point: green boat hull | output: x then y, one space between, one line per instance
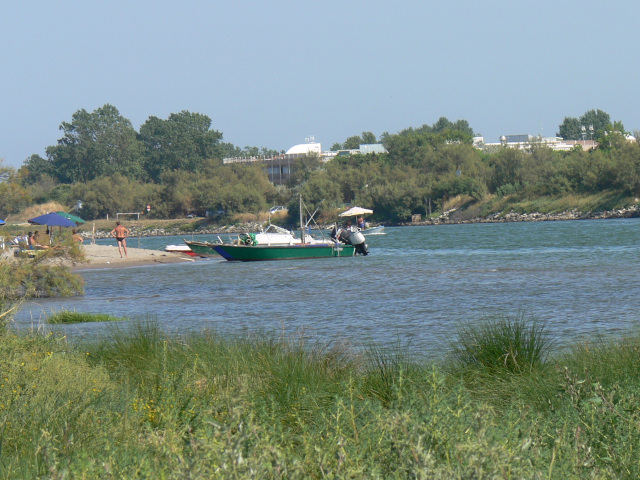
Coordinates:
254 253
202 249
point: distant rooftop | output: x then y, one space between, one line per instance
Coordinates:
305 149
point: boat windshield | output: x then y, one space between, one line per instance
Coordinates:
275 229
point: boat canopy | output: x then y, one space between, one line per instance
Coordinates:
356 211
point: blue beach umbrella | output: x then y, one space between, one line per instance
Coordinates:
2 222
52 220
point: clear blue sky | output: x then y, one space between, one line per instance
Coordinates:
270 74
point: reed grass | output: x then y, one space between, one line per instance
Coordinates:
69 316
388 371
144 404
501 344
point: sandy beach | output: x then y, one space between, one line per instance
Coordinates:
107 256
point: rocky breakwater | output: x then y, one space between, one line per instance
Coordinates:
456 217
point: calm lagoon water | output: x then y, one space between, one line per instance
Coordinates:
415 287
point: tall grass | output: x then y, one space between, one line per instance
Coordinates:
503 359
68 316
388 372
601 201
502 344
145 404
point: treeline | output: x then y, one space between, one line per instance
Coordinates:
175 165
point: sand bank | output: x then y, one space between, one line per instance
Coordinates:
107 256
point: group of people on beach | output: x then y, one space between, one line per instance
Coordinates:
33 240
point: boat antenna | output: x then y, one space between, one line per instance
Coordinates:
302 238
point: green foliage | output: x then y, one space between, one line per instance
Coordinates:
143 404
387 372
68 316
460 185
112 194
47 189
33 279
355 141
594 122
94 145
175 165
13 197
34 168
8 308
500 345
321 187
508 189
45 275
295 380
182 142
302 169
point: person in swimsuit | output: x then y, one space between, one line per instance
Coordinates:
121 234
76 236
34 242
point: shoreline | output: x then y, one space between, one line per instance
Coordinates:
451 217
107 256
458 217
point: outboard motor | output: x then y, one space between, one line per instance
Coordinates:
356 239
344 236
353 236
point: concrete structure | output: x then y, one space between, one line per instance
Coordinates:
526 142
306 149
278 167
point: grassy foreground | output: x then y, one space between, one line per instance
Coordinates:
141 404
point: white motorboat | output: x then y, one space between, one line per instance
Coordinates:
363 226
180 249
373 230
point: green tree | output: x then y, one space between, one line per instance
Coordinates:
229 150
570 129
43 188
320 187
302 168
178 195
182 142
368 138
409 148
507 168
597 119
591 124
5 172
255 152
352 142
13 197
34 168
95 144
237 188
110 195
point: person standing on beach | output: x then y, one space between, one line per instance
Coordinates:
121 234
